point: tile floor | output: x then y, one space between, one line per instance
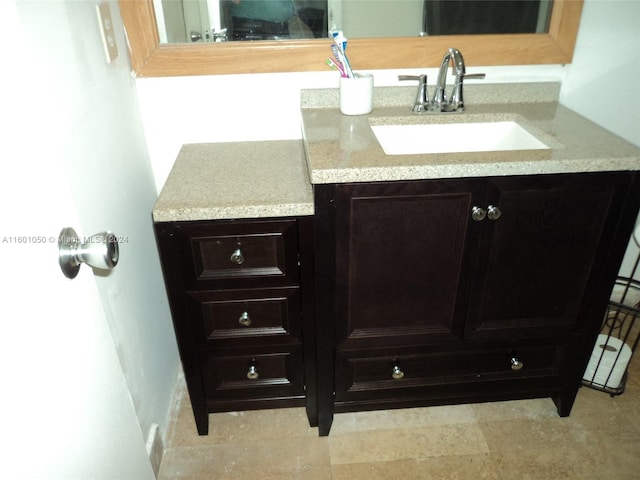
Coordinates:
505 441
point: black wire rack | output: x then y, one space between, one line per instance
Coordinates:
619 337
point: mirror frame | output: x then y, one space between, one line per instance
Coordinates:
150 58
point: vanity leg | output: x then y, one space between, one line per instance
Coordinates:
325 419
202 422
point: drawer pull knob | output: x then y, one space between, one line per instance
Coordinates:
478 213
237 257
516 364
493 213
252 374
397 374
245 319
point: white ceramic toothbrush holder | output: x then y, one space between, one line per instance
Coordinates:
356 94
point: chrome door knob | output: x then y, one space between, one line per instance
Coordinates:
516 364
478 214
397 373
493 212
252 374
237 257
244 319
100 251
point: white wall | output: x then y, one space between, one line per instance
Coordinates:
81 117
603 82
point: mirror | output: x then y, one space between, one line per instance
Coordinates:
186 21
151 58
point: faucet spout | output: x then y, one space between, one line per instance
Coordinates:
454 57
440 103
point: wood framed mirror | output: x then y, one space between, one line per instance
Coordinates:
150 58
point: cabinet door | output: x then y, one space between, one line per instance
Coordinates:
543 256
400 261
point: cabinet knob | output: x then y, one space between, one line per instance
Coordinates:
493 212
252 374
516 364
397 373
237 257
478 213
244 319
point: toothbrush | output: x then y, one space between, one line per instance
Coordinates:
341 44
335 66
342 60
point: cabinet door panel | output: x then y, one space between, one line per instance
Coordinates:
544 252
399 261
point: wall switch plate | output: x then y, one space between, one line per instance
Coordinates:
106 27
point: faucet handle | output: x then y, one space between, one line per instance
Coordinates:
474 76
456 102
421 104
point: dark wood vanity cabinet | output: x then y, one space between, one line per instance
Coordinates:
241 299
464 290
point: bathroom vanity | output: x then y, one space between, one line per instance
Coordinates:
391 281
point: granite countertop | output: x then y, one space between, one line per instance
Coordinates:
236 180
343 148
272 179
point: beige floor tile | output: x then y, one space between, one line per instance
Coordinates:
525 434
392 470
464 467
402 418
406 443
208 463
534 408
280 458
596 415
573 462
248 425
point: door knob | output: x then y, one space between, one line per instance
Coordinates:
516 364
252 373
98 251
237 257
493 212
478 213
397 373
244 319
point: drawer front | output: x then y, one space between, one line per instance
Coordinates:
237 254
254 377
360 375
238 318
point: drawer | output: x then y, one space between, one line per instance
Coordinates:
238 318
360 374
254 377
228 255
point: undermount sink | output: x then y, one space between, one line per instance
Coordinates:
455 137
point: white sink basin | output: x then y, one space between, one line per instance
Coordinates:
455 137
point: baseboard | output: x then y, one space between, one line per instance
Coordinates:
155 448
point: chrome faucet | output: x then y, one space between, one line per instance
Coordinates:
440 103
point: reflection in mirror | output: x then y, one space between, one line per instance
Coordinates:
185 21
